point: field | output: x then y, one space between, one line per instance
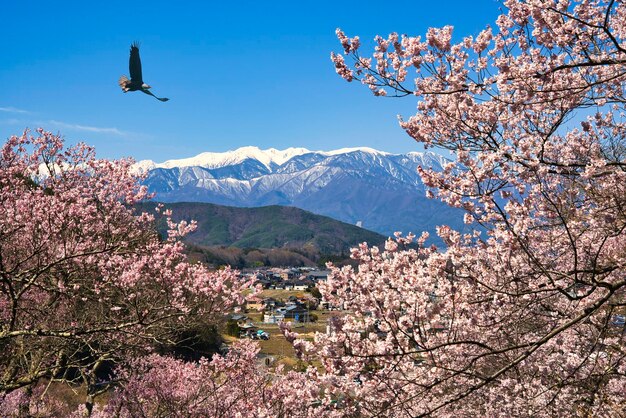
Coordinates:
281 293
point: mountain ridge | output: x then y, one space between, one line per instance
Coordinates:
381 191
265 156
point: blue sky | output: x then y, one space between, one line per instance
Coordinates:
237 73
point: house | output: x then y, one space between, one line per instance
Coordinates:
289 274
318 275
271 303
273 318
247 330
239 318
274 277
324 304
298 284
296 312
301 284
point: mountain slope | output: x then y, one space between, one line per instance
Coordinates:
267 227
382 191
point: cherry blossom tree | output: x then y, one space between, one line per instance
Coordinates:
523 316
225 386
86 282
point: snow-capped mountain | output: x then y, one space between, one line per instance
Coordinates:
270 157
380 190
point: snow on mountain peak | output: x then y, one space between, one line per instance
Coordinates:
266 157
143 166
221 159
349 150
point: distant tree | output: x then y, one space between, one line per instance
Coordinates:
232 328
310 302
85 282
315 292
520 317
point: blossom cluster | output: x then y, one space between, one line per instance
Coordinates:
85 279
519 314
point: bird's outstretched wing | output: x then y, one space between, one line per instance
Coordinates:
163 99
134 65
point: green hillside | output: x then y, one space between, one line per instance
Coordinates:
268 227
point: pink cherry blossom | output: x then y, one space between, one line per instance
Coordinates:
84 278
519 317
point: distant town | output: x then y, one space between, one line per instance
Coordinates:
286 295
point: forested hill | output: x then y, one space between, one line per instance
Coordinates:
269 227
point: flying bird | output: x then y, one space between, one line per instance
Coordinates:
136 80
